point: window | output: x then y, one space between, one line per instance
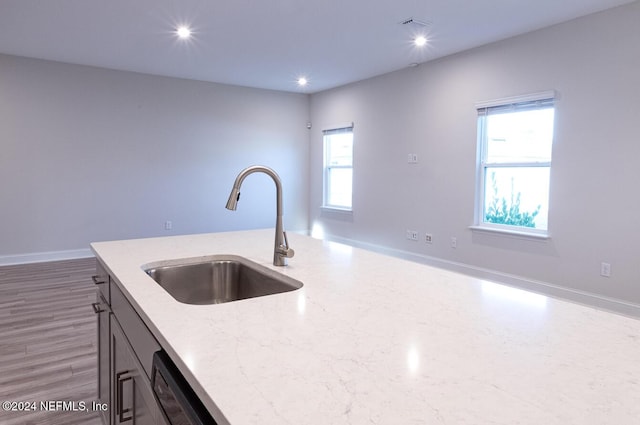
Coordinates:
515 138
338 167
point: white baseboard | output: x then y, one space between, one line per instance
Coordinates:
40 257
574 295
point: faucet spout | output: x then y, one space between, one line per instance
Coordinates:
281 250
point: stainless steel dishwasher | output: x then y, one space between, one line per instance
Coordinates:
177 400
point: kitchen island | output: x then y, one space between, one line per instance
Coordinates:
371 339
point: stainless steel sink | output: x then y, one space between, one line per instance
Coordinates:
219 279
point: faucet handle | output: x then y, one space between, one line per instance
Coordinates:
284 249
288 252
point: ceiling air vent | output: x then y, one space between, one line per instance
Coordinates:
413 21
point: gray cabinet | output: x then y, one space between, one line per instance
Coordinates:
102 309
125 354
103 312
132 397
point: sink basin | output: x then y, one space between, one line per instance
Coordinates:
219 279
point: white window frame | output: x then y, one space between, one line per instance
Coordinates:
540 99
342 128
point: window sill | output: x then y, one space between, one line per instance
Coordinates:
511 233
336 210
340 214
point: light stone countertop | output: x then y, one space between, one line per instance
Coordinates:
372 339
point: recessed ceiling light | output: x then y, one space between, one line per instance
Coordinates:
302 81
183 32
420 40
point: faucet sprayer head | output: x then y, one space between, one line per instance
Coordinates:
234 196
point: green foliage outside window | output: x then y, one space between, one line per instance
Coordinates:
501 211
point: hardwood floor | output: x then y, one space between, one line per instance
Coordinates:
48 341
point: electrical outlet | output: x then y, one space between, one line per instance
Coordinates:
412 235
168 225
454 242
428 238
605 269
412 158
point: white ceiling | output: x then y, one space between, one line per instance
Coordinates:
268 43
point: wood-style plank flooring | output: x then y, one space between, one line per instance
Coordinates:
48 341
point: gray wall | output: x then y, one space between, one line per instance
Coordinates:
593 63
90 154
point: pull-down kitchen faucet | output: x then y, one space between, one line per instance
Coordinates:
281 250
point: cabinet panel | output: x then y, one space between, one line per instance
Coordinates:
131 395
138 335
104 377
